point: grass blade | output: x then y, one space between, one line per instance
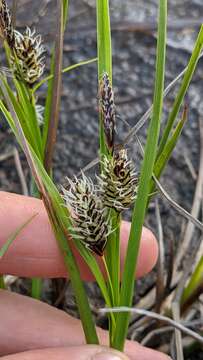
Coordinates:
170 145
143 190
183 89
65 13
58 217
165 155
56 90
65 70
11 238
195 284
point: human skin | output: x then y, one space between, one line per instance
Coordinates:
31 329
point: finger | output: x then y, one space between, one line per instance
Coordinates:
85 352
47 327
35 252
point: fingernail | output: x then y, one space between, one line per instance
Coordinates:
109 356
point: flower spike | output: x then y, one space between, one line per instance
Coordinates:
107 107
28 59
88 214
6 26
119 181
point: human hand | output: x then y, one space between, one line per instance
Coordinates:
31 329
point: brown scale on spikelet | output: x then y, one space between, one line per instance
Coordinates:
119 181
6 27
28 60
107 107
88 214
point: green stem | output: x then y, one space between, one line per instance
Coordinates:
78 287
36 288
113 255
143 190
2 283
56 91
104 53
195 283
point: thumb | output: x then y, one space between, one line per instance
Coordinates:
84 352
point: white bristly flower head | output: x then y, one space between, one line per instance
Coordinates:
119 181
88 214
29 53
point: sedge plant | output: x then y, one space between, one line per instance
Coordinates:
87 214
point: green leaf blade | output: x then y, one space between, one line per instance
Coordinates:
143 190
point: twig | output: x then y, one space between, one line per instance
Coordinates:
190 166
165 329
155 332
170 263
20 171
156 316
142 26
163 192
161 261
6 155
178 338
176 206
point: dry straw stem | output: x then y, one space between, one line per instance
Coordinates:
160 288
156 316
178 336
176 206
20 172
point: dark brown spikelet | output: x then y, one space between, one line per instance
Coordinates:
6 27
29 56
88 214
107 107
119 181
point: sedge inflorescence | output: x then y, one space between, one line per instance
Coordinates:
116 187
27 60
118 181
88 214
6 27
107 107
89 204
29 52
